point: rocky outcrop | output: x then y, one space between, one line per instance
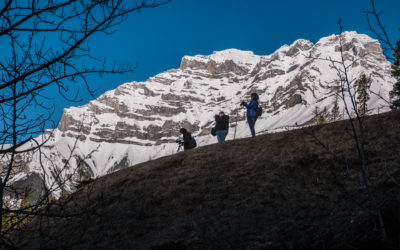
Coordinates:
294 100
180 98
298 46
293 67
290 96
69 123
213 67
32 183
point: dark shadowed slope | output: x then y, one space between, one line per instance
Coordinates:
279 191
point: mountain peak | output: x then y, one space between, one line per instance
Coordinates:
348 36
232 53
302 42
239 57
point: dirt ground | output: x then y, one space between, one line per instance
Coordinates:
298 189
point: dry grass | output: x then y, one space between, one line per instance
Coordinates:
279 191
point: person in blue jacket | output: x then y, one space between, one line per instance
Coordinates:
252 107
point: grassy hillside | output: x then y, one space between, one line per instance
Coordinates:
275 191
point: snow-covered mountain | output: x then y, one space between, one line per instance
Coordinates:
139 121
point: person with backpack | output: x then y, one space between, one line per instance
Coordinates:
252 112
221 126
188 141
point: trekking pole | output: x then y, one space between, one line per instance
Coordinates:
237 117
179 145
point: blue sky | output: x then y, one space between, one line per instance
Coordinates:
157 39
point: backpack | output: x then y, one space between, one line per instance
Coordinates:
259 111
213 132
192 143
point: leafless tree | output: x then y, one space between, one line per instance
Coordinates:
377 28
357 132
45 43
356 120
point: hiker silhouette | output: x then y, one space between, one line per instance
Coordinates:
188 141
252 108
221 126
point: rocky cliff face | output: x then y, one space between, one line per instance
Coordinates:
139 121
